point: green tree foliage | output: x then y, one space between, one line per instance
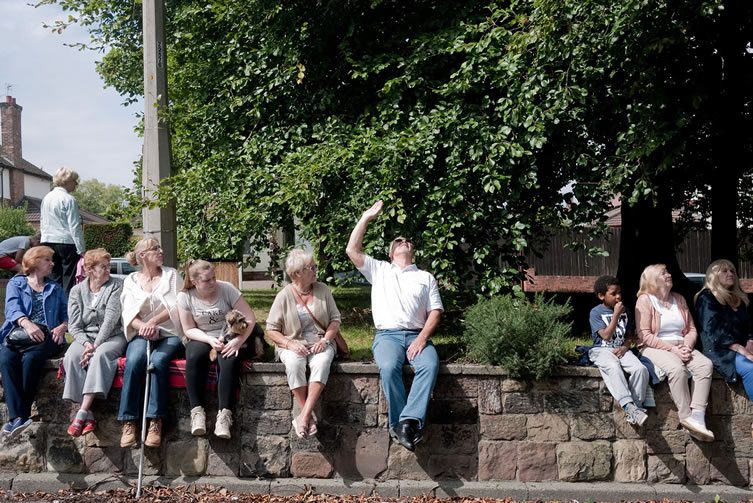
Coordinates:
529 339
115 238
100 198
483 125
13 223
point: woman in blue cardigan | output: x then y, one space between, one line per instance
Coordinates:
38 306
724 324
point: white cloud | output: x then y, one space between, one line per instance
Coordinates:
68 117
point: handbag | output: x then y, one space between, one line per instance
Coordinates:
19 340
341 347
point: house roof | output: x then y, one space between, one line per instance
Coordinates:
34 205
30 169
25 166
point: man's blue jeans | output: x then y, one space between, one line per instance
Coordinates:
134 378
389 350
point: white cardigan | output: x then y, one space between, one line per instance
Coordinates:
145 305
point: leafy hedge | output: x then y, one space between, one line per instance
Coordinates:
13 223
528 338
115 238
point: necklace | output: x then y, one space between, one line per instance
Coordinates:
301 292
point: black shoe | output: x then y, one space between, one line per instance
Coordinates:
417 437
404 433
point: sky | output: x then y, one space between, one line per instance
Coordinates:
69 118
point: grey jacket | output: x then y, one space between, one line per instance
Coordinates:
96 323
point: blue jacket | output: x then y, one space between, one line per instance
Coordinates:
18 298
720 327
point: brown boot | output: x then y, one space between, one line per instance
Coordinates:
128 436
154 434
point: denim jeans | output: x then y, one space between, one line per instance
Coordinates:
744 368
389 350
134 378
21 375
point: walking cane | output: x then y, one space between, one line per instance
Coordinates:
149 369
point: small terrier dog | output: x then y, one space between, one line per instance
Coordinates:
235 325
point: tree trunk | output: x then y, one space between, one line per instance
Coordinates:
730 154
648 238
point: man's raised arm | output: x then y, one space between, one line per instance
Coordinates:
355 243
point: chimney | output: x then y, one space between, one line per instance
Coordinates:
10 123
10 116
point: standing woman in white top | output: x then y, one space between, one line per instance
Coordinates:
202 305
150 314
303 323
60 224
667 337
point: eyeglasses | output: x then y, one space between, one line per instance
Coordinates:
311 267
398 241
154 248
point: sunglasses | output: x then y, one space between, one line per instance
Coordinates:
398 241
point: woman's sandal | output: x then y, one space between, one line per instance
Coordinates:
76 427
312 430
300 430
89 426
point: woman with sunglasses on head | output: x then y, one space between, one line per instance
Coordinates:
203 305
303 323
150 315
724 324
667 337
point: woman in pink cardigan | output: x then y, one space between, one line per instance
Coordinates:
667 337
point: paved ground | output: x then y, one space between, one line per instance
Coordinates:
518 491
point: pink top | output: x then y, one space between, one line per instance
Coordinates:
648 322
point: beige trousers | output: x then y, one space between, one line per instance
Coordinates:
699 367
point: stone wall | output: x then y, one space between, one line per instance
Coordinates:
482 426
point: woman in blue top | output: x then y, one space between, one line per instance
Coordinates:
39 306
724 324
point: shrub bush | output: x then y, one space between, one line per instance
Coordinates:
115 238
528 338
13 223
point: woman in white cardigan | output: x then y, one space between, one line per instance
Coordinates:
98 341
303 323
150 315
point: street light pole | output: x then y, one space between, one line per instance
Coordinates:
159 223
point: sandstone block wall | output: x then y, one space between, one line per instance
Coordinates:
482 426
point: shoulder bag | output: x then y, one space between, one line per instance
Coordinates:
341 347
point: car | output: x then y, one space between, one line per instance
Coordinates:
120 267
696 278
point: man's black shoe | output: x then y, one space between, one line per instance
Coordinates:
417 437
404 434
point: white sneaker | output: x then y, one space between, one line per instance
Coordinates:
223 423
634 415
697 430
198 421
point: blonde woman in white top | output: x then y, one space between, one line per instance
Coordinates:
149 316
667 337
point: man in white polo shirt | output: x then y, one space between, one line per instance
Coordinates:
406 307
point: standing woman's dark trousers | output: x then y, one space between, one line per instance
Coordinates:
64 269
